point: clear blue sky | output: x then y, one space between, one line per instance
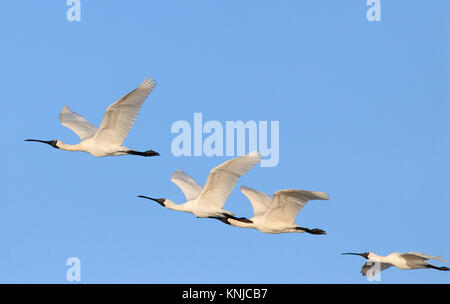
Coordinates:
363 110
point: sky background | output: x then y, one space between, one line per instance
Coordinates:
363 109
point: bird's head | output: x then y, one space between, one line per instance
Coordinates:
160 201
365 255
53 143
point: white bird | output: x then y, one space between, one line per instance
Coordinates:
410 260
117 122
277 215
208 201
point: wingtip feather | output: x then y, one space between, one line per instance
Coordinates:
177 172
322 195
255 154
148 83
65 109
245 188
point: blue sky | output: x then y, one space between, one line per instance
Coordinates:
363 109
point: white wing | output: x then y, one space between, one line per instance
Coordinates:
288 203
370 269
120 116
187 184
223 178
426 256
77 123
259 200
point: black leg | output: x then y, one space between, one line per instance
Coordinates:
240 219
146 153
222 219
311 231
443 268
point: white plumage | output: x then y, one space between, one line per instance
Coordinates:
410 260
277 214
108 138
208 201
77 123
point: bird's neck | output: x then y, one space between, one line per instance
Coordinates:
378 258
179 207
68 147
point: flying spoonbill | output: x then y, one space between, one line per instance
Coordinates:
410 260
277 214
117 122
208 201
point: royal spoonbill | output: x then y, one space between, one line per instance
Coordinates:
277 214
117 122
410 260
208 201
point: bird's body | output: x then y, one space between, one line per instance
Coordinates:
410 260
92 147
108 138
277 214
197 208
264 226
208 201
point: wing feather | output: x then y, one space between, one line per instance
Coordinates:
187 184
426 256
259 200
288 203
370 269
121 115
223 178
77 123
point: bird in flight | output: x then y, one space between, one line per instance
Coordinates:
117 122
410 260
208 201
277 214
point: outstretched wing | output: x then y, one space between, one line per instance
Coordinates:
121 115
370 269
77 123
223 178
424 256
259 200
187 184
288 203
